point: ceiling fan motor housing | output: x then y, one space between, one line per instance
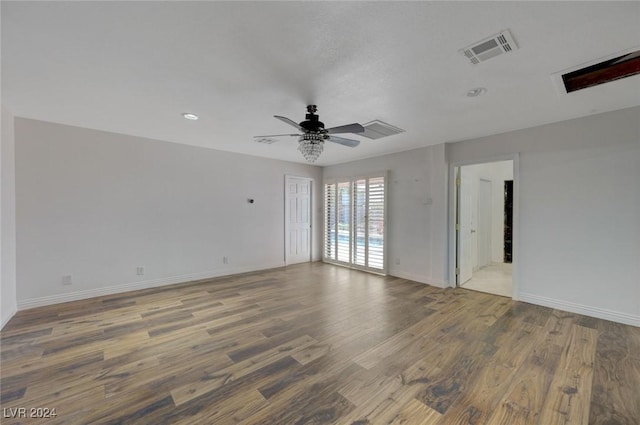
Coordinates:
312 123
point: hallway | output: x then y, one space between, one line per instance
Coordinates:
496 278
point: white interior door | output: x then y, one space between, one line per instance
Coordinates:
484 222
297 220
465 262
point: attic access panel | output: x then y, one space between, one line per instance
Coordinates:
603 72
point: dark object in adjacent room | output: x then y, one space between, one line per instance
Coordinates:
508 220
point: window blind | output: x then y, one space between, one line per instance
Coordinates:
355 222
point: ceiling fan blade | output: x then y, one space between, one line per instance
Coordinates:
279 135
348 128
345 142
289 121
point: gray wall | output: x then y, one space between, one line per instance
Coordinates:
417 210
579 203
8 305
96 205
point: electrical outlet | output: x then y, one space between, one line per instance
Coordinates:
140 270
66 279
225 260
397 261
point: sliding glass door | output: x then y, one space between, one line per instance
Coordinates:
355 222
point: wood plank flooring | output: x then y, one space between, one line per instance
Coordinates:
316 344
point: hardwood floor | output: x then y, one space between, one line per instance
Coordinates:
316 344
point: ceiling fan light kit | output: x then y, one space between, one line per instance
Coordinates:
311 146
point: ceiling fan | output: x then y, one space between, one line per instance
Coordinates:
313 134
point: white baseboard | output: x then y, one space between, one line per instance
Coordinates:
600 313
5 320
439 283
145 284
418 278
409 276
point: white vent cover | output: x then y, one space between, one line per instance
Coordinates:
490 47
377 129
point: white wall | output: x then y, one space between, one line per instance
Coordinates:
497 173
8 220
95 205
579 203
417 210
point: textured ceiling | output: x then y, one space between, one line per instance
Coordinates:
134 67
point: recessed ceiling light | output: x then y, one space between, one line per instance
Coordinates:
478 91
190 116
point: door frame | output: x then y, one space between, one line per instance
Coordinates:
453 193
286 213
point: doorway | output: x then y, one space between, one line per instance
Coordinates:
483 221
297 220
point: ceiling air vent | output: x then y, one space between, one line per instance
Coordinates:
377 129
490 47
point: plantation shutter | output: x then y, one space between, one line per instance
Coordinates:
355 222
375 213
360 222
344 221
330 221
